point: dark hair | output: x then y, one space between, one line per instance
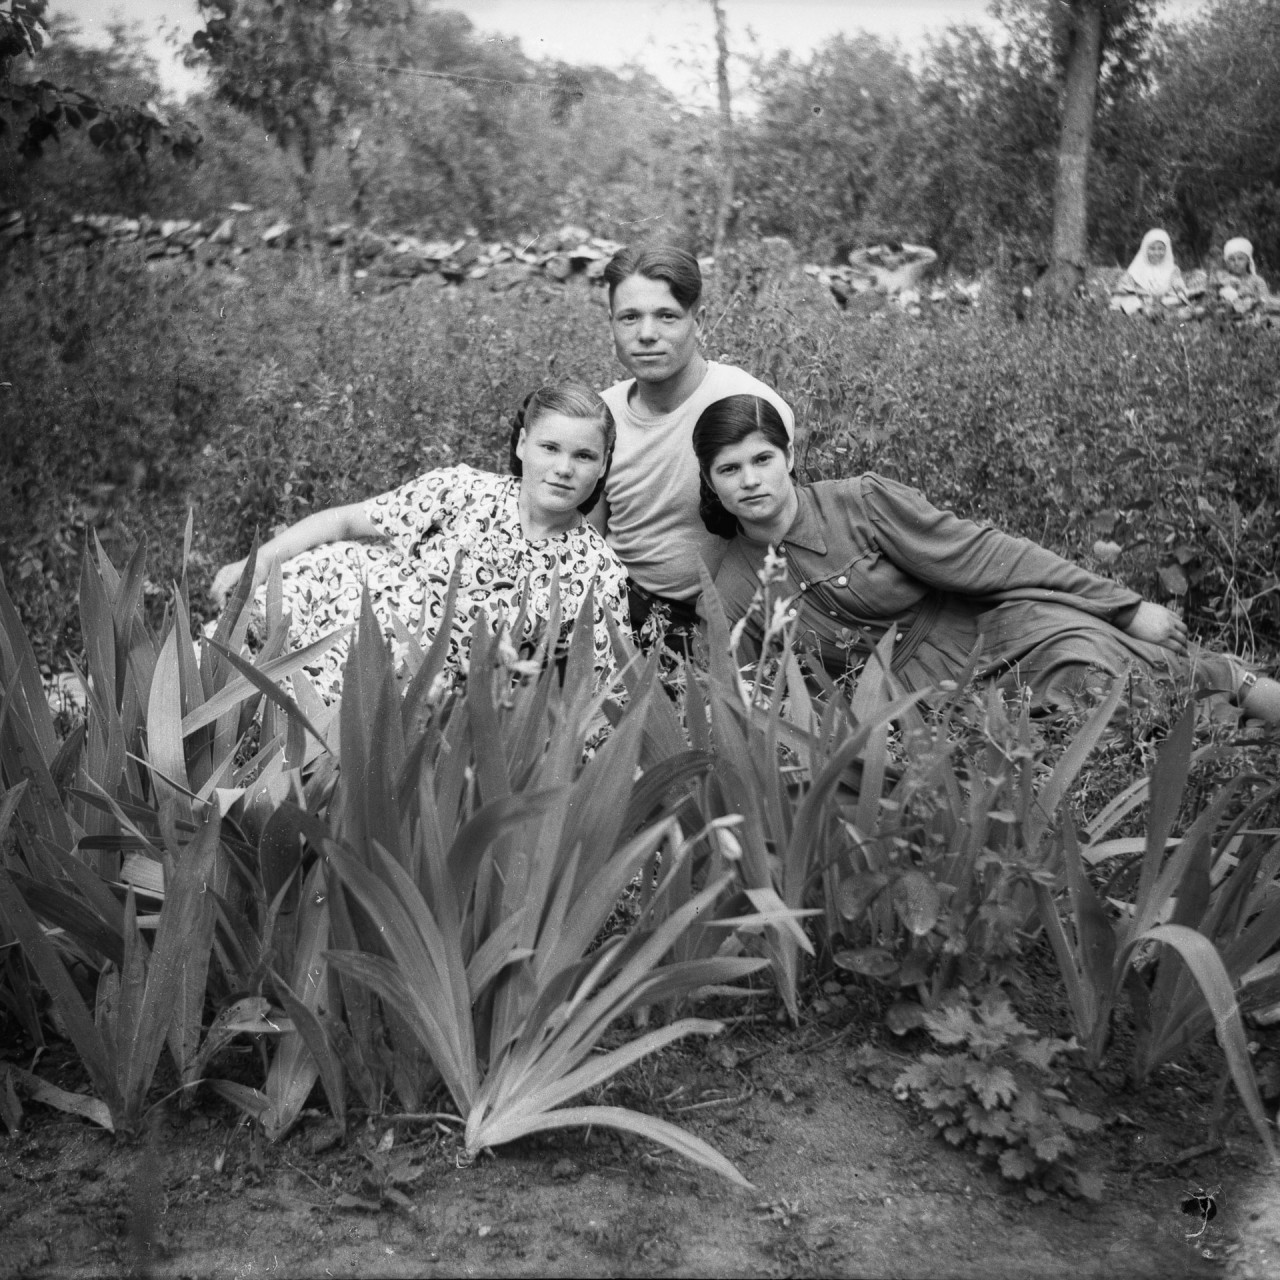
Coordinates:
721 424
677 268
574 400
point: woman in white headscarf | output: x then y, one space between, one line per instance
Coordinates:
1239 281
1153 278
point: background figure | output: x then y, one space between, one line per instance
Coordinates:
1152 280
513 533
1237 282
893 267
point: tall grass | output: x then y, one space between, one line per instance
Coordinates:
258 395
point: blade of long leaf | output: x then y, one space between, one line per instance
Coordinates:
1073 759
1194 846
560 945
164 729
598 1010
304 1054
1202 958
308 1026
430 962
182 923
1168 779
252 1102
661 1131
264 684
1095 936
498 950
61 990
68 912
76 1104
9 804
543 1091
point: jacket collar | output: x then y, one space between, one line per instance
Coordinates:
807 528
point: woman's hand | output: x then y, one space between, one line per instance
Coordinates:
1158 625
224 581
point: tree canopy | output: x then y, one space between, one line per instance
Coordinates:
399 115
35 112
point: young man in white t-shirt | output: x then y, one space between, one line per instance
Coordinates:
650 508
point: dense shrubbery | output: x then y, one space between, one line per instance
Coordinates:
256 397
405 892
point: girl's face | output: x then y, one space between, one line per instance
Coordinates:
752 478
562 459
1238 264
1157 252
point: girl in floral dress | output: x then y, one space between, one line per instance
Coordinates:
513 534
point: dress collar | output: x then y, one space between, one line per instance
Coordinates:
807 528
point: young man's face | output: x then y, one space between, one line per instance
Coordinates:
654 336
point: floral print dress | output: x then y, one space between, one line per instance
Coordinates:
426 524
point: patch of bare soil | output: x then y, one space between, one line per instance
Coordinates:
848 1182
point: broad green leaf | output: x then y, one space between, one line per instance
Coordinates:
917 902
650 1127
164 729
871 962
856 893
76 1104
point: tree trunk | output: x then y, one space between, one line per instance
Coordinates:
1070 193
725 149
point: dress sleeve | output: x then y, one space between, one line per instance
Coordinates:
424 505
968 559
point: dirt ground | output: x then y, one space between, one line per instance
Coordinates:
848 1182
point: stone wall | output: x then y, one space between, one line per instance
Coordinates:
375 261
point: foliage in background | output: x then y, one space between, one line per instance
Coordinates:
401 116
35 112
1205 159
257 398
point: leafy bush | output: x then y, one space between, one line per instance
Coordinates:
1000 1092
1202 917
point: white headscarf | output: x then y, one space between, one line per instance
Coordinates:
1240 245
1154 279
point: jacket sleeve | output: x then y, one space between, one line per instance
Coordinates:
968 559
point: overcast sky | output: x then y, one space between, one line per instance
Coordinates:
664 36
